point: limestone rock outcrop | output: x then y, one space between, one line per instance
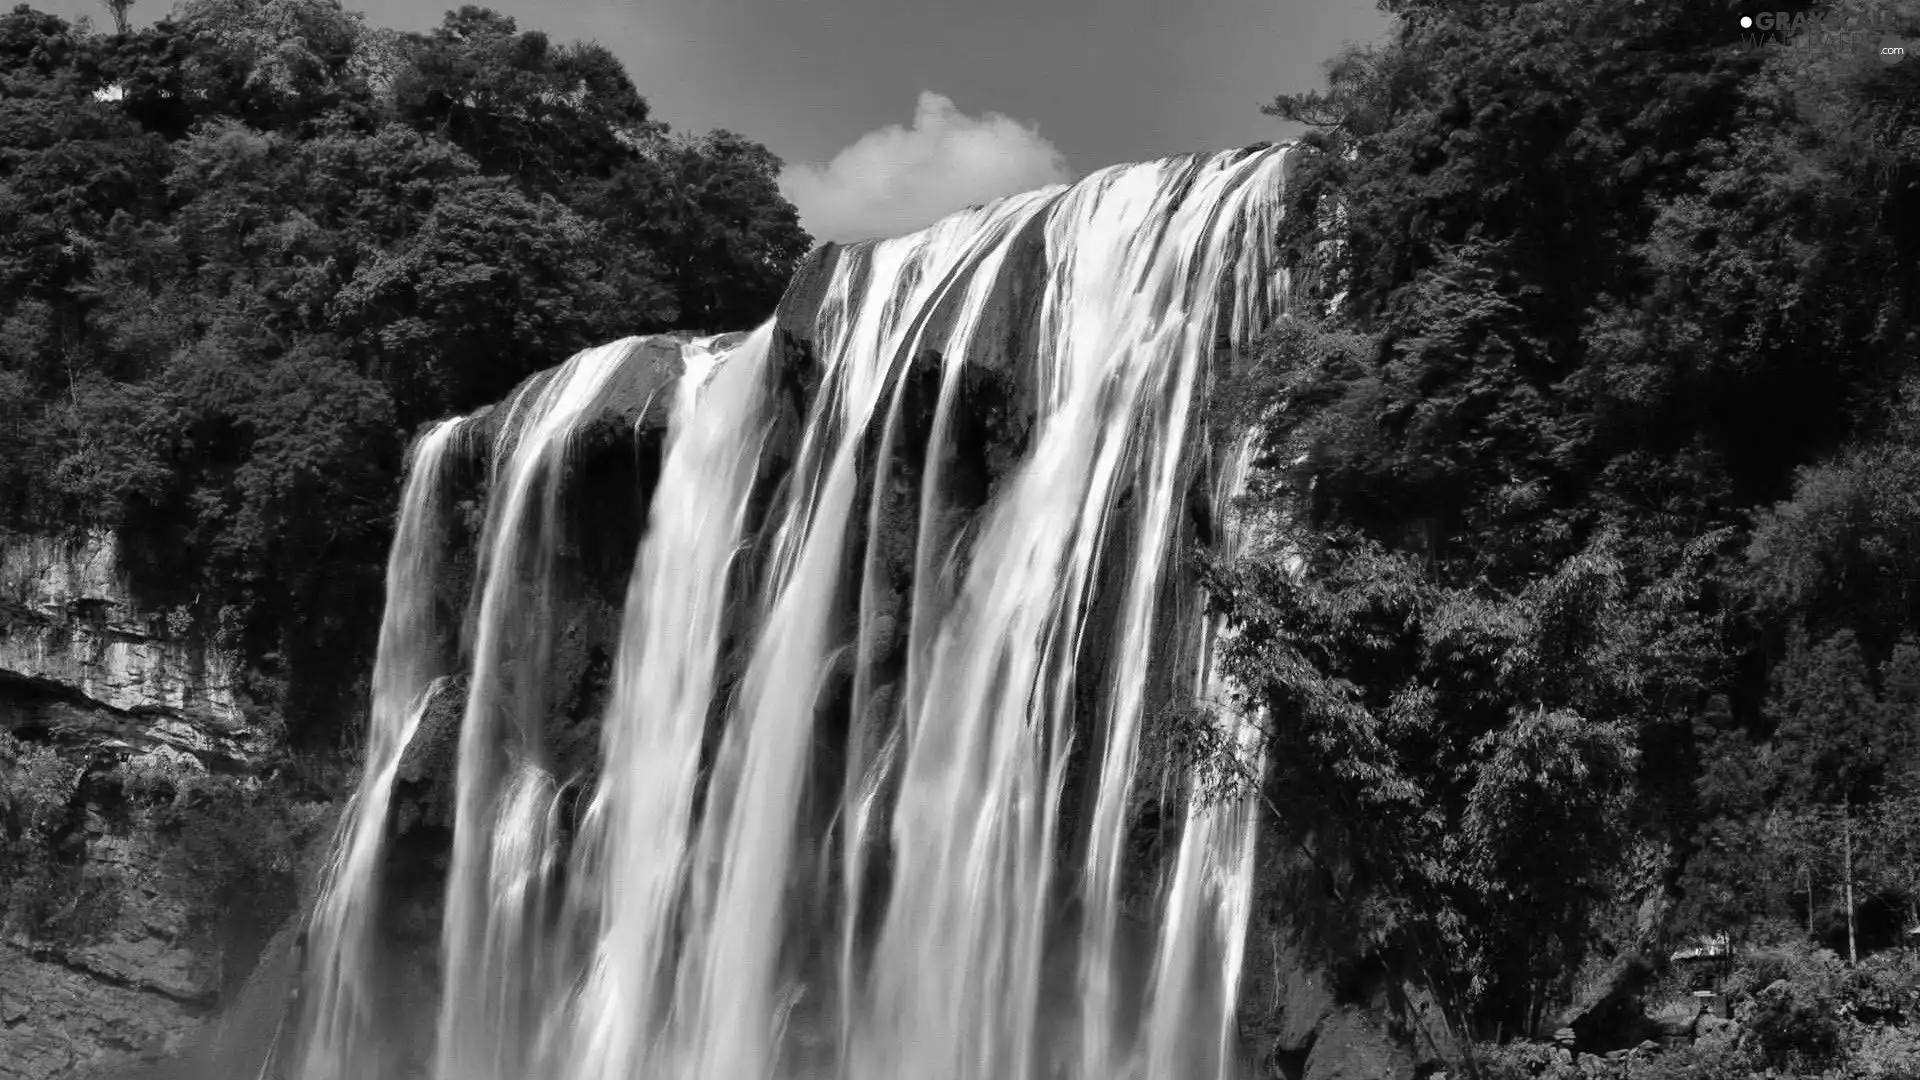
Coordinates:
67 616
115 940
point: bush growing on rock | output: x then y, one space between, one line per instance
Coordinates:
1799 1013
37 788
36 793
1705 1062
1885 1053
232 829
1525 1061
1795 1025
1885 988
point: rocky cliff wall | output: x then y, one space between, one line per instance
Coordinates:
145 851
67 615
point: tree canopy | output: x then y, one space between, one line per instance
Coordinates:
1592 428
247 251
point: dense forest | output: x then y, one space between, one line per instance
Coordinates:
247 251
1601 445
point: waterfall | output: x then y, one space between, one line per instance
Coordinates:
409 660
638 834
1214 871
497 961
864 798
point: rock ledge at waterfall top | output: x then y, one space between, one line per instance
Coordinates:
639 397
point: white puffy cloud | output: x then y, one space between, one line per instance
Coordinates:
896 179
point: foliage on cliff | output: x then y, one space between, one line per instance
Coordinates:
37 788
1793 1010
99 845
247 251
1597 440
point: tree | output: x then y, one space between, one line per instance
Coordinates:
1579 288
494 286
1834 744
710 210
118 9
519 105
1473 753
244 251
291 60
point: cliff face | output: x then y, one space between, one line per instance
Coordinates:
132 815
66 616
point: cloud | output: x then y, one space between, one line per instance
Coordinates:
895 179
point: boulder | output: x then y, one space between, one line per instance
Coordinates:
1353 1044
1297 1001
1610 1016
1677 1021
1716 1031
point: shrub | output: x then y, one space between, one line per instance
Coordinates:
38 789
42 893
1523 1061
1795 962
1716 1061
1885 1053
1884 988
1796 1024
230 846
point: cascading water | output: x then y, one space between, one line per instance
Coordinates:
409 659
638 835
498 959
872 590
1213 875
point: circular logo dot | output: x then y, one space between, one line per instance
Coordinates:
1746 22
1892 50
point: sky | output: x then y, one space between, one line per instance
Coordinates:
892 113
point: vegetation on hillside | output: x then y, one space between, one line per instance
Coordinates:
247 251
1599 446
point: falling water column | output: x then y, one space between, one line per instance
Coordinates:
638 829
497 957
339 1033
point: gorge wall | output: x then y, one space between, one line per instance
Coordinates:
135 815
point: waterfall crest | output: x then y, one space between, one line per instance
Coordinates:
869 758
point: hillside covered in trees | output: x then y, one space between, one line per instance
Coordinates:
246 252
1599 440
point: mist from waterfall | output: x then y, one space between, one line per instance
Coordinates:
926 903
